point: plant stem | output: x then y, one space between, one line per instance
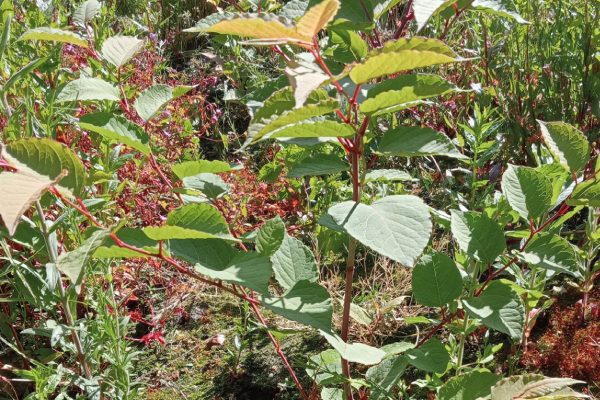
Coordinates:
53 254
461 345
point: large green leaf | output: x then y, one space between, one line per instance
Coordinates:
304 79
498 307
325 367
533 386
477 235
19 191
311 129
54 35
118 50
191 168
567 144
402 55
385 375
192 221
354 352
502 8
307 303
403 91
116 128
424 9
151 100
412 141
472 386
218 260
73 263
270 236
390 175
269 127
528 191
269 28
294 262
432 356
318 164
266 28
397 227
436 280
131 236
49 158
211 185
86 89
86 11
553 252
586 194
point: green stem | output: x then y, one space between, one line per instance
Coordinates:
461 345
53 254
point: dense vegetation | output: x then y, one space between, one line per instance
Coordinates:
303 199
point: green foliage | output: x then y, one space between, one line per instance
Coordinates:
489 213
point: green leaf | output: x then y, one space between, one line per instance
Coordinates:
385 376
586 194
294 262
270 236
477 235
472 386
270 127
325 367
317 17
218 260
133 237
281 100
498 307
528 191
307 303
192 221
54 35
402 55
86 12
211 185
436 280
151 100
403 91
73 263
567 144
389 175
424 9
354 352
397 227
191 168
49 158
350 46
531 386
552 252
20 74
85 89
332 394
432 356
116 128
502 8
19 191
118 50
412 141
269 29
318 164
266 27
304 79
